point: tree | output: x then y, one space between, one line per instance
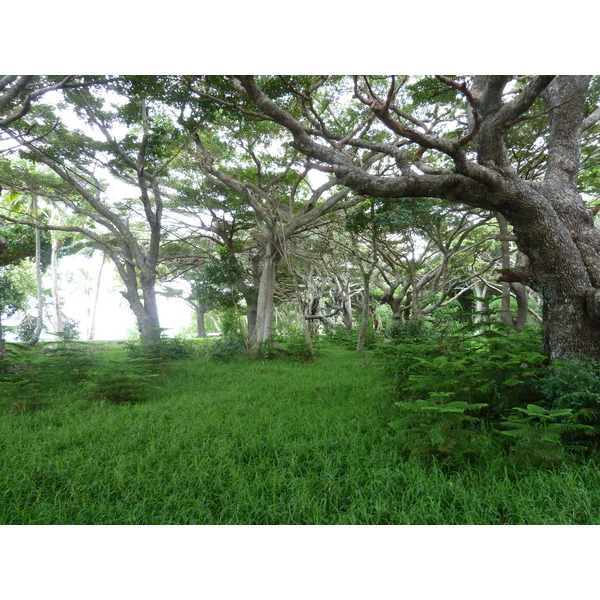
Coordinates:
283 203
130 230
17 244
468 140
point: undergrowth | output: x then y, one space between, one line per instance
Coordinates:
275 442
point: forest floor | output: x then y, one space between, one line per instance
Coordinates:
261 442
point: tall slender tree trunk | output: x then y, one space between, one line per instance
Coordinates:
505 313
58 318
364 319
2 348
38 277
92 332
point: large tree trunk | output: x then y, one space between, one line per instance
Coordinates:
266 293
146 309
200 324
563 248
251 311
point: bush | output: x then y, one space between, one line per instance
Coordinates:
439 378
121 387
162 349
25 328
573 384
31 377
497 368
439 428
229 347
539 433
348 338
296 346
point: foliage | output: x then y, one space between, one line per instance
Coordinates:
573 384
440 428
163 349
26 327
278 442
68 360
18 243
539 433
348 338
295 345
230 322
121 387
440 377
12 296
23 379
227 348
499 368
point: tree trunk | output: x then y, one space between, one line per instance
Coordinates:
251 310
146 310
58 320
150 328
38 278
563 248
364 319
92 332
200 324
2 348
266 293
505 314
520 292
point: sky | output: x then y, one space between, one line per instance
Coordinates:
114 318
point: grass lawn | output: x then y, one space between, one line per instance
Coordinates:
261 442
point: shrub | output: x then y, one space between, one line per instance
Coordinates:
229 347
573 384
295 345
121 388
496 368
30 377
26 328
162 349
439 428
538 433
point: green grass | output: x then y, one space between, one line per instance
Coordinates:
263 442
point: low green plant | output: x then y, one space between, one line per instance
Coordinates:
31 376
441 428
499 368
68 359
22 385
538 433
122 379
295 345
227 348
162 349
573 384
348 338
121 388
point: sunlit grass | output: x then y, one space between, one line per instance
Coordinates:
263 442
